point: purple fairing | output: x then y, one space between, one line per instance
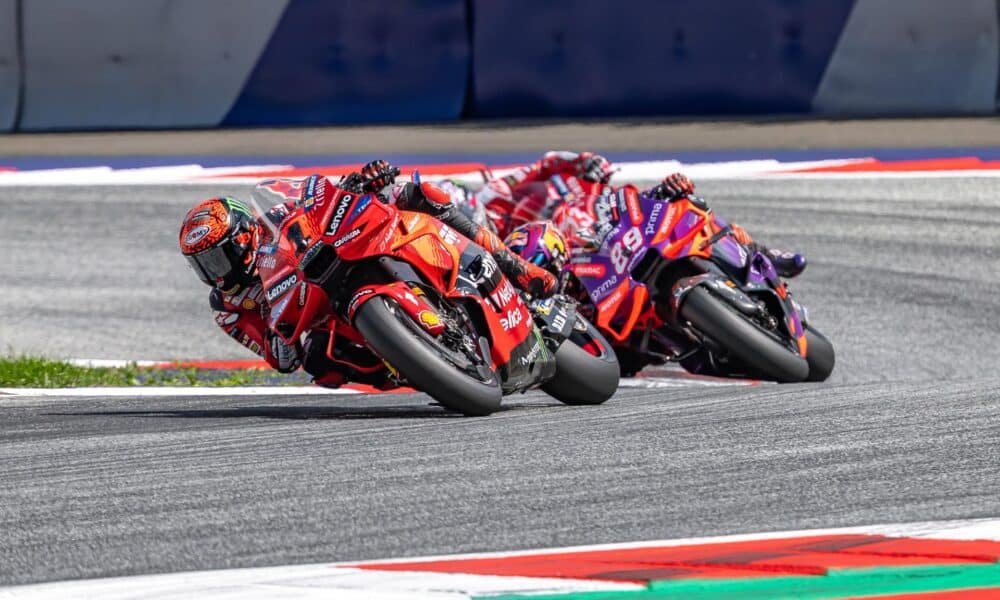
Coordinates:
604 271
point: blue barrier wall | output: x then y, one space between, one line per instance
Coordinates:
354 61
138 63
10 70
604 57
913 57
67 64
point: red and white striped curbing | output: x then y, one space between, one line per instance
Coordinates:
860 167
568 570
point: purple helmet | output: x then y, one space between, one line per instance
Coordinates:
540 243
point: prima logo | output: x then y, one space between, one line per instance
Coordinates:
604 288
651 223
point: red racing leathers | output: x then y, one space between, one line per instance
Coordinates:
243 313
508 205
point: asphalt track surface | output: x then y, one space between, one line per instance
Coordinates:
904 278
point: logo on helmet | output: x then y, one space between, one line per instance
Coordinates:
197 234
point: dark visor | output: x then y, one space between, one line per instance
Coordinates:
215 263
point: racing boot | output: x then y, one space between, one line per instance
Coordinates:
786 264
430 199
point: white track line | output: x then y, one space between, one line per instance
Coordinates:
346 582
628 171
173 392
277 390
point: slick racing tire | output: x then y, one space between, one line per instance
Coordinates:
819 355
424 362
587 370
748 343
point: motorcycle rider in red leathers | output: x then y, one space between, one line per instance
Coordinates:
587 174
220 238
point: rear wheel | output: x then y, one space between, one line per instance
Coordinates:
586 368
456 379
763 354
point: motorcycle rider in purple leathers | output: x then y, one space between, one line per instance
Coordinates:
508 206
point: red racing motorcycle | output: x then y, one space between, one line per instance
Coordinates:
427 304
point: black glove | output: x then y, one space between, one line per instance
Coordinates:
673 187
596 169
378 174
352 183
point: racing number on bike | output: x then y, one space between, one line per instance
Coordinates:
625 248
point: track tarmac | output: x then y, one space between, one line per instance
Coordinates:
903 277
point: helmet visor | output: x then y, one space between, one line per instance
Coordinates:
216 263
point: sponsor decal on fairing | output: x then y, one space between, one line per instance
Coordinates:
283 286
338 214
350 236
512 319
357 300
604 288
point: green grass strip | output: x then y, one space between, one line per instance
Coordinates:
34 372
838 583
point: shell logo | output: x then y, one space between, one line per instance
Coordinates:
429 319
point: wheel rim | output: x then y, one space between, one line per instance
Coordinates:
583 338
476 369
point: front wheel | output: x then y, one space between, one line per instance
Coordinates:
453 378
749 344
586 368
819 355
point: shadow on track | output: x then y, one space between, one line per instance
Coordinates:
284 412
431 411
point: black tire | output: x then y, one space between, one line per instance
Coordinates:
422 363
767 358
582 377
819 355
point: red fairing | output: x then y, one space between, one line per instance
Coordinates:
357 227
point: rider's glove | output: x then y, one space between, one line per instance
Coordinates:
674 186
596 169
352 183
378 174
286 356
740 234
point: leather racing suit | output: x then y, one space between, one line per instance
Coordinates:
242 313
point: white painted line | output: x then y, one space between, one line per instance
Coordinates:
678 382
968 529
639 171
180 392
346 582
112 363
306 582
